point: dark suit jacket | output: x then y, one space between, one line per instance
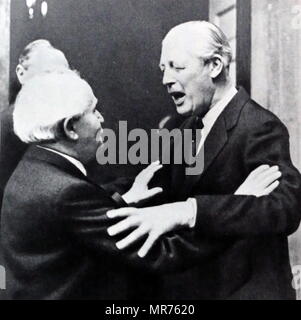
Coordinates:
11 152
256 264
11 148
56 246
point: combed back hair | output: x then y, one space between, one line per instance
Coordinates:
205 38
46 100
27 51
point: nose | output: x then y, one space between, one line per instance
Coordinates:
99 116
168 78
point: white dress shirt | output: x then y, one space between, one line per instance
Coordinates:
213 113
74 161
208 121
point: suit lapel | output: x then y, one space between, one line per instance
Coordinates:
178 170
214 143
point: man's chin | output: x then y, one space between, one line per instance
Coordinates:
183 110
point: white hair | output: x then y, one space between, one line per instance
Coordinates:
205 38
39 56
46 100
24 58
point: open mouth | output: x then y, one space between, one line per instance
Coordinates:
178 97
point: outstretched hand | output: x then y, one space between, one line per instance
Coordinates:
260 182
139 190
151 221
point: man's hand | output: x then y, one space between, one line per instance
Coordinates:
151 221
260 182
139 190
158 220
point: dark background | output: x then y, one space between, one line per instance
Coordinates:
115 44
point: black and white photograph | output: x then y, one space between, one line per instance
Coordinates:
150 150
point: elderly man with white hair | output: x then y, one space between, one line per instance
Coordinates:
38 56
238 135
53 217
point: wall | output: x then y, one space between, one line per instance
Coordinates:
4 51
4 80
223 14
276 73
234 18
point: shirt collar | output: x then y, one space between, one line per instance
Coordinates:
74 161
217 109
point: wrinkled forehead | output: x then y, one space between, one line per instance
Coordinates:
179 45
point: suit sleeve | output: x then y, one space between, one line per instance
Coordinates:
85 220
244 216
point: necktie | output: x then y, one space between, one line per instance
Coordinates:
193 123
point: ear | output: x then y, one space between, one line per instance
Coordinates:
20 71
69 129
216 66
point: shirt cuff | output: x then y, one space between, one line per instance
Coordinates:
192 219
119 200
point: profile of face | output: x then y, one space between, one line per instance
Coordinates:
187 78
41 59
58 109
88 132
